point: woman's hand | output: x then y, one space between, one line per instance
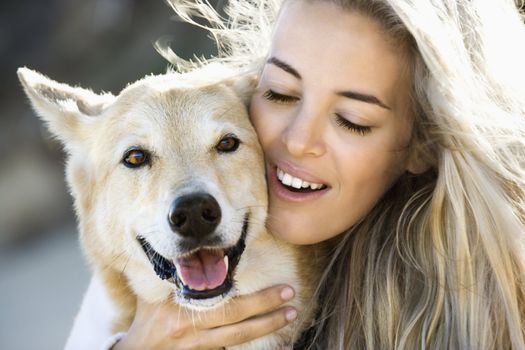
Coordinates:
169 326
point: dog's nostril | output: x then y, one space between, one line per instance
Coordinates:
196 215
177 219
210 215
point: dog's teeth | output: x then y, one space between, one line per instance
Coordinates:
226 262
178 267
280 174
305 184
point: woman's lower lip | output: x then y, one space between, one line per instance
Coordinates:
284 193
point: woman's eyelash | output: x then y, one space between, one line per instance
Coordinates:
280 98
345 123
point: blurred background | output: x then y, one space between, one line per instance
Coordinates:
101 44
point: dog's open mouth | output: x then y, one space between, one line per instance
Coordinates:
202 273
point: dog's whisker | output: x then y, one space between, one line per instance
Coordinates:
250 207
180 310
113 261
256 225
274 218
193 319
125 265
224 313
149 232
199 316
250 222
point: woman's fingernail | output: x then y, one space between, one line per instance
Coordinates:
287 293
291 314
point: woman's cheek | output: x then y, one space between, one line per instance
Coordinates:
255 108
262 119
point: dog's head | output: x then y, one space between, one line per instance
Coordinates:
167 177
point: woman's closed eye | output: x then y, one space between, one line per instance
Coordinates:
347 124
273 96
276 97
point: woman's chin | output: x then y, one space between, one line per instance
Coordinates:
295 231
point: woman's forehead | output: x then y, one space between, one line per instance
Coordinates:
343 48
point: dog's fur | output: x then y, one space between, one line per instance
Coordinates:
179 119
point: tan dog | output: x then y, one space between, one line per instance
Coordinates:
169 190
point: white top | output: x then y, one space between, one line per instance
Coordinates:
92 327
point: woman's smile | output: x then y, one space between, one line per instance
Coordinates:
291 183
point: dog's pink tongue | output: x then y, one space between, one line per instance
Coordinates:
203 270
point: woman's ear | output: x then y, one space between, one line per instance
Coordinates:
417 162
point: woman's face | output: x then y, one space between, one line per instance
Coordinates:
332 115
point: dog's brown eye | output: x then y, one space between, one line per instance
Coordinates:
228 143
135 158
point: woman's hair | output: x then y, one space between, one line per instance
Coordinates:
439 262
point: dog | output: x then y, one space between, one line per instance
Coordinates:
170 194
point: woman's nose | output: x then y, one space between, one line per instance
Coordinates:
303 136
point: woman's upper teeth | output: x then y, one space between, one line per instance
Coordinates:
296 182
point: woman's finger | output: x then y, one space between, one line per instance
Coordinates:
246 306
253 328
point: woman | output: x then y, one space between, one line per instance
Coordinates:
410 118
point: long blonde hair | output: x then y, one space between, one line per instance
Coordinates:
440 261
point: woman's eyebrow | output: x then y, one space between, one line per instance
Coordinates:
363 98
284 66
354 95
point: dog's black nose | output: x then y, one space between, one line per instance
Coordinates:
195 215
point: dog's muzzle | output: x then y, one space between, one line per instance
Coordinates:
204 272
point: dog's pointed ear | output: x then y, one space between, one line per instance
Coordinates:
244 86
65 109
